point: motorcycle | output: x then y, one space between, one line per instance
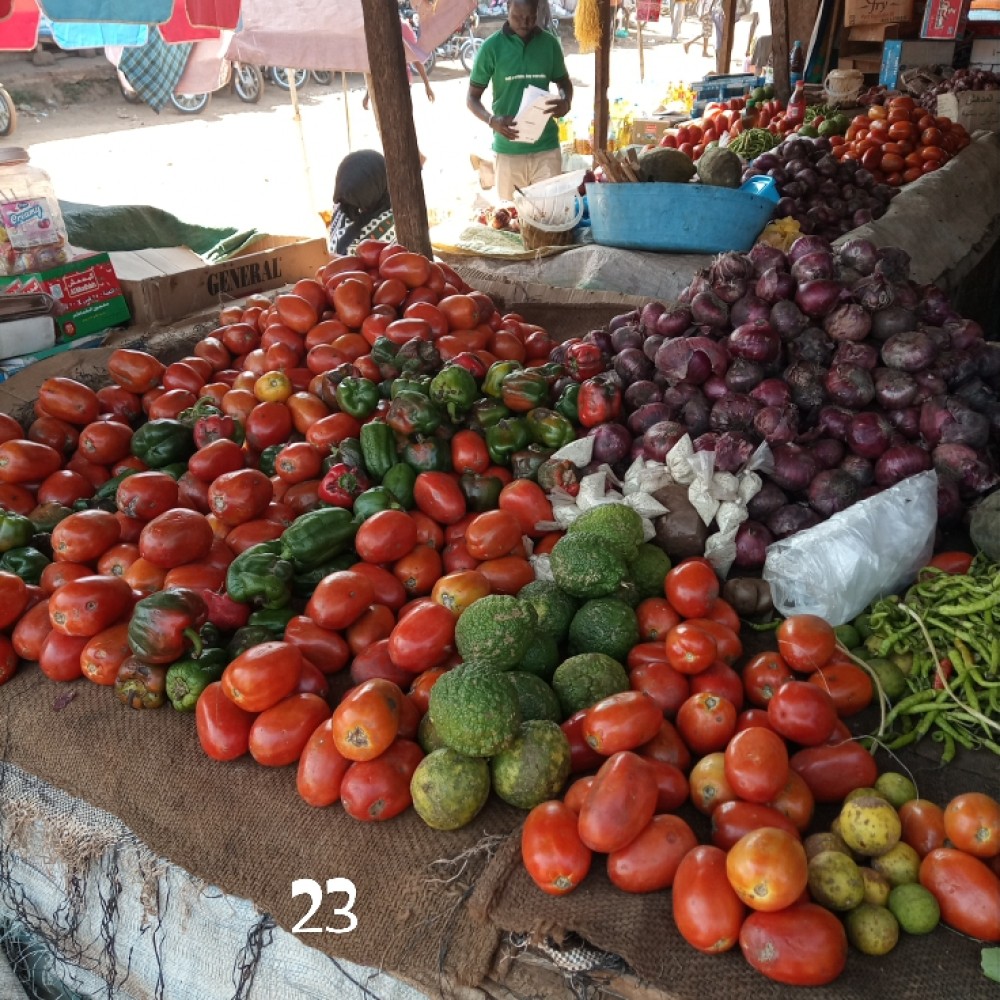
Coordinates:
462 45
8 113
243 79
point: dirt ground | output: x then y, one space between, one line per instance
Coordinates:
256 165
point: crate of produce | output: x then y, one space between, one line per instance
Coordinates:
682 218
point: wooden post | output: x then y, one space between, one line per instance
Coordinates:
602 76
724 54
642 60
390 92
780 49
347 108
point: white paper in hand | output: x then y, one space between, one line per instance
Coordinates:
531 115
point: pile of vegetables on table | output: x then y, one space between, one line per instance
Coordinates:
959 82
332 534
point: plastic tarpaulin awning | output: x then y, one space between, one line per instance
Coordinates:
328 34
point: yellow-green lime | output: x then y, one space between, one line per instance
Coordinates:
877 886
895 788
869 825
915 908
900 864
873 930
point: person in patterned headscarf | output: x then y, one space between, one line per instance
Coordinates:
361 206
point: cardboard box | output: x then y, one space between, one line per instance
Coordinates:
975 109
867 63
86 291
647 130
942 19
986 54
9 367
162 285
876 11
900 55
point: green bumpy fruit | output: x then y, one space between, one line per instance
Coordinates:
542 657
536 698
475 710
496 631
604 625
582 681
553 606
534 768
649 569
449 789
586 565
614 521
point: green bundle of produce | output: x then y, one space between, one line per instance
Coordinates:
753 142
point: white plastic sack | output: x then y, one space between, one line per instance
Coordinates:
872 549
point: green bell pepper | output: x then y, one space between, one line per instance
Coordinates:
246 638
15 530
140 684
427 454
384 355
410 383
273 619
549 428
165 623
481 492
506 437
419 357
524 464
108 490
306 581
358 397
399 481
454 389
187 678
568 403
26 562
44 517
413 413
348 452
267 458
261 576
161 442
560 473
316 537
497 372
205 407
372 501
551 371
522 391
486 412
378 448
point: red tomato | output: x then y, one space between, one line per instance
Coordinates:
59 656
424 638
804 945
583 757
456 591
89 605
923 825
709 786
795 802
722 680
527 501
730 649
668 746
340 599
806 642
672 787
848 685
802 713
966 890
418 571
379 789
492 534
438 495
577 792
366 721
734 819
507 575
8 660
757 764
31 630
240 496
146 495
388 590
14 597
85 536
972 824
952 562
324 648
668 688
386 536
620 803
279 734
833 770
321 768
622 721
692 588
690 648
261 676
768 868
375 624
552 849
707 722
706 910
179 536
763 675
656 618
651 861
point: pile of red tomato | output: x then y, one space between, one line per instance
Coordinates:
900 141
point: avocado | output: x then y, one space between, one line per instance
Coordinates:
449 789
664 164
585 565
536 698
649 569
475 710
720 168
553 607
496 630
534 768
604 625
616 522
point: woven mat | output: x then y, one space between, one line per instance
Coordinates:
484 241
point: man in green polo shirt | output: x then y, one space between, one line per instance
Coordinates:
518 55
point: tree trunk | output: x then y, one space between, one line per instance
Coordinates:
602 77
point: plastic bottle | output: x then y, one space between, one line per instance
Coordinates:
32 232
796 111
796 64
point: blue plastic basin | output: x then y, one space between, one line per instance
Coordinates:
682 218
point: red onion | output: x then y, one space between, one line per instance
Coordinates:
627 336
708 309
894 389
794 467
640 393
752 540
805 379
623 319
832 491
850 386
905 421
806 245
612 443
899 462
777 424
765 256
929 384
949 500
792 518
951 421
706 442
859 468
934 307
632 366
673 322
817 298
835 421
730 291
601 339
774 285
730 266
891 320
864 355
651 345
894 263
869 434
847 321
766 501
691 359
961 462
695 415
812 344
828 452
661 437
787 319
755 342
965 333
813 266
649 314
742 375
732 450
715 387
772 392
641 419
911 351
733 413
749 309
675 396
859 254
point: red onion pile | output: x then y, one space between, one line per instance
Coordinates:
961 80
854 375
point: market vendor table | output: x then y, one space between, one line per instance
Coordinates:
947 222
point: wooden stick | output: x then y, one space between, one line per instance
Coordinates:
627 170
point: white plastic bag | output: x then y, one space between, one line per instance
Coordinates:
872 549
